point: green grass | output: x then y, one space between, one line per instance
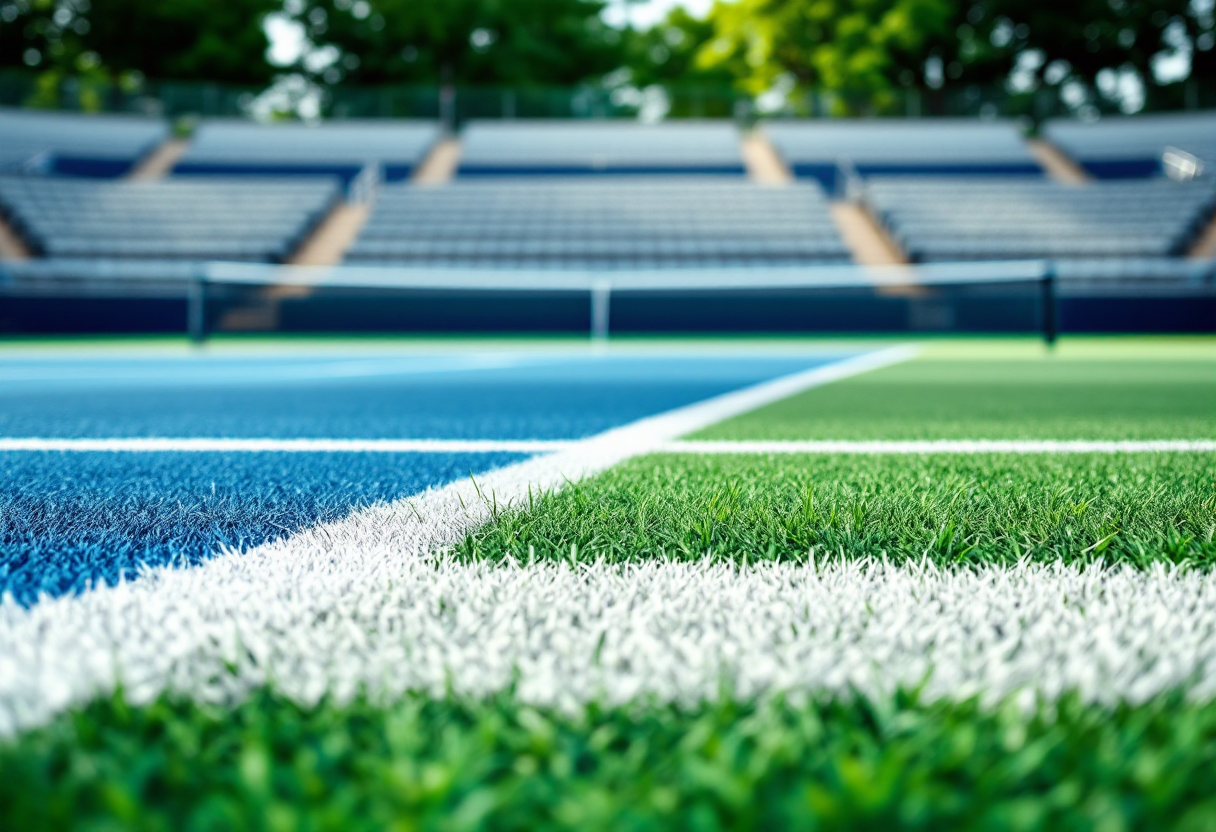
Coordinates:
1126 508
1088 397
453 764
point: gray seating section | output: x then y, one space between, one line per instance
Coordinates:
75 144
952 219
1122 147
538 148
600 224
827 150
247 220
21 157
338 148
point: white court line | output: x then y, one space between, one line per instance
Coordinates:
945 446
196 630
615 445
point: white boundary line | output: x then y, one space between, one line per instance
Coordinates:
574 459
187 629
945 446
370 604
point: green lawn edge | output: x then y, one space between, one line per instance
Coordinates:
464 764
1133 509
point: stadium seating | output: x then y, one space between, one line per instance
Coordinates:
651 223
956 219
74 144
342 148
829 151
1133 146
221 219
539 148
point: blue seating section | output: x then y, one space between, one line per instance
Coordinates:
546 148
828 151
954 219
247 220
74 144
340 148
600 224
1125 147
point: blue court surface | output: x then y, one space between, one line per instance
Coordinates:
71 519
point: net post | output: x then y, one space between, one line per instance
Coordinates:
1050 313
601 297
196 307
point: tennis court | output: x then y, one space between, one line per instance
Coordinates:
966 564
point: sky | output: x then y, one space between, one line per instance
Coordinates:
287 38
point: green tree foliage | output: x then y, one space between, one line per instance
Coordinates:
162 39
1085 43
856 48
41 33
866 50
508 42
222 42
668 53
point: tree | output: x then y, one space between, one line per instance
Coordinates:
41 33
1086 45
161 39
203 40
866 50
508 42
668 53
856 48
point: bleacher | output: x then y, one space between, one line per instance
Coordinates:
1009 219
832 151
600 224
1133 146
547 148
75 145
250 220
671 202
342 149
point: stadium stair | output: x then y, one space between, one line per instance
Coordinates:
158 163
325 246
1057 164
866 239
333 236
439 166
12 247
764 165
1205 243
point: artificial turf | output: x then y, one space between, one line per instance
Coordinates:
1113 508
454 764
1011 398
69 521
420 762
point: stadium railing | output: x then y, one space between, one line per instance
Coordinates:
1036 278
1073 295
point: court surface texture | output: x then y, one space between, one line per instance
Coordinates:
821 585
98 508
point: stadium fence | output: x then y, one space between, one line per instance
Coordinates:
645 294
1046 297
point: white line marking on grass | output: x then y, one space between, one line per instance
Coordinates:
943 446
335 617
300 610
208 445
